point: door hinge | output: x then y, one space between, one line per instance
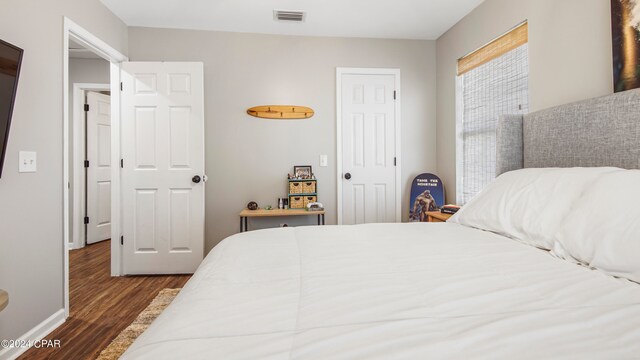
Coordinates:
122 163
121 240
86 107
86 220
86 163
395 161
121 86
394 94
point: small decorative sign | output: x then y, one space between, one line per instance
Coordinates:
427 194
281 112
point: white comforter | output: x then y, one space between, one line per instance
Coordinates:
393 291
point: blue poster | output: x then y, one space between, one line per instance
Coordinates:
427 194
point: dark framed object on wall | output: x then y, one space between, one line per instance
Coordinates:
10 63
625 28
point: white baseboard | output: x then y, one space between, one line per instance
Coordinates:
37 333
73 246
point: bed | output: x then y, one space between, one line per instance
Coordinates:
503 279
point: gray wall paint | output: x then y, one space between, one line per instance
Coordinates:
94 71
248 158
31 239
88 71
569 52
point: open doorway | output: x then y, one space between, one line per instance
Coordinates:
93 287
91 68
167 137
89 146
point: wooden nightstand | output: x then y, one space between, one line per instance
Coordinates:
437 216
246 213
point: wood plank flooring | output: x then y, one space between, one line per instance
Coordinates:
101 306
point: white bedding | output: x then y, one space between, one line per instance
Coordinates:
393 291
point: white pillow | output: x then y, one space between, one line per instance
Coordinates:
603 228
528 205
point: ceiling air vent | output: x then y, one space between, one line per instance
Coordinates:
289 15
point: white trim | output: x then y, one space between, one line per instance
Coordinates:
78 34
38 333
116 180
340 72
459 141
79 93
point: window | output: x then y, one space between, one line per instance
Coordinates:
492 81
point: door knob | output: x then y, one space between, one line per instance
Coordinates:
196 179
347 176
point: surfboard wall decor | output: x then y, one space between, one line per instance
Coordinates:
281 112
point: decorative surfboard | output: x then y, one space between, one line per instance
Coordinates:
427 194
281 112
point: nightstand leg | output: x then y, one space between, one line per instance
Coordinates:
246 223
322 219
241 222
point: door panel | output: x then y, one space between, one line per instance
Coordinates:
104 199
380 140
98 127
368 149
145 221
179 136
162 148
380 203
145 138
180 221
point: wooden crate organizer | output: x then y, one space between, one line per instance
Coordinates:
295 187
302 192
309 187
296 202
309 200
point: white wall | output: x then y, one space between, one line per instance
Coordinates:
31 239
570 57
248 158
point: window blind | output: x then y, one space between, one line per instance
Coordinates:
485 92
495 49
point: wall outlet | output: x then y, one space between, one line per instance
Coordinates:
27 162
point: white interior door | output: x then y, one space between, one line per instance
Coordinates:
98 206
163 150
368 121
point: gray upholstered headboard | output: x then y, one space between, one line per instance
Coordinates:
597 132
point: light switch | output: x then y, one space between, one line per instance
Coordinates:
324 161
27 162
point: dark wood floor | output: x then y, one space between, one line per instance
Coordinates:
101 306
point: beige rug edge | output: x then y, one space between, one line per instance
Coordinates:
121 343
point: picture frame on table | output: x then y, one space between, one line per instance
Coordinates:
302 172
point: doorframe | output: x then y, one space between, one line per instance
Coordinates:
340 72
73 31
79 93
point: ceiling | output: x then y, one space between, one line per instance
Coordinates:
391 19
77 51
